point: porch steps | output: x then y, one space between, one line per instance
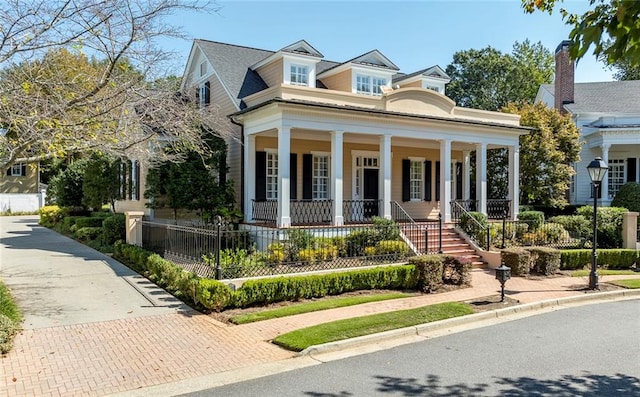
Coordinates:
452 244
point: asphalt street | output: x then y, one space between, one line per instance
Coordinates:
591 350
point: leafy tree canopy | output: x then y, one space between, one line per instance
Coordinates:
611 27
546 154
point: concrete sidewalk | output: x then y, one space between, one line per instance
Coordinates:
122 343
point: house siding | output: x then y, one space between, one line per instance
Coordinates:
20 184
272 73
339 82
416 84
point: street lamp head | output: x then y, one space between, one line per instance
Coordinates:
597 169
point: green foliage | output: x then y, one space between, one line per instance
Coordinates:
518 259
8 329
628 197
10 318
607 258
610 27
65 189
101 183
397 248
213 294
533 218
429 270
133 256
609 225
113 229
51 214
474 224
456 270
88 233
234 262
546 153
88 221
577 225
545 260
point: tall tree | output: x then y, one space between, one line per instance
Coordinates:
614 20
101 183
55 100
624 70
546 154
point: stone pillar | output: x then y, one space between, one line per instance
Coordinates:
385 175
249 176
133 230
481 177
604 186
514 179
445 180
630 230
336 176
284 171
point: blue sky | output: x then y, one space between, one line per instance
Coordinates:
412 34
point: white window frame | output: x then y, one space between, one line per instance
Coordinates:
616 176
297 71
203 91
320 186
416 178
271 174
16 170
368 84
363 84
203 68
376 83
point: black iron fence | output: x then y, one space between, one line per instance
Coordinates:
360 211
424 237
250 251
498 208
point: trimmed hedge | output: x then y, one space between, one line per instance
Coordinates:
607 258
545 260
113 229
88 221
518 259
51 214
429 270
533 218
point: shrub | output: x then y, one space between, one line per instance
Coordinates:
213 294
234 263
578 226
534 218
456 270
8 329
88 233
474 224
358 240
628 196
308 255
275 253
386 229
518 259
609 224
553 233
429 270
545 260
133 256
88 221
397 248
50 215
608 258
370 251
113 229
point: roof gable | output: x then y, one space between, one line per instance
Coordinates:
433 72
303 48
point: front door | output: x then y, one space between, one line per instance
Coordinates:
370 192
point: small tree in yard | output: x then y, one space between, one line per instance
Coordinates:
65 189
101 182
628 197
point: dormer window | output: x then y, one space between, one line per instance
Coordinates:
299 75
369 85
203 69
205 94
432 88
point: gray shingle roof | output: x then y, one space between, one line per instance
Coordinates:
621 97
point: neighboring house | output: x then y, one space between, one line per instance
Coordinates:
330 143
608 117
20 188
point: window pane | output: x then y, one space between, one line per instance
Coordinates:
377 82
272 176
616 176
415 180
299 75
320 187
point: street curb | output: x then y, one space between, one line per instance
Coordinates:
424 329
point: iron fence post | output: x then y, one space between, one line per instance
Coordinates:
426 239
440 232
218 244
504 231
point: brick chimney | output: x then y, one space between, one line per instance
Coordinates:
564 79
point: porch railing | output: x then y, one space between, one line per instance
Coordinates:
423 237
498 208
303 212
476 231
467 205
360 211
265 211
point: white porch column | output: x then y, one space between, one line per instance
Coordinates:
445 180
481 177
604 186
466 175
284 170
249 176
336 176
385 175
514 179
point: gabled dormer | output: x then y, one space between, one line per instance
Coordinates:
294 64
367 74
198 74
433 78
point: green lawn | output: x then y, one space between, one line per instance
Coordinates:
313 307
631 284
350 328
602 272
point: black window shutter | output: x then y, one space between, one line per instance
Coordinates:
293 175
130 179
406 181
261 176
427 180
23 170
307 176
207 93
631 170
123 176
222 169
138 183
458 181
437 181
9 171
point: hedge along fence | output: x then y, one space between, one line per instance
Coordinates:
607 258
214 295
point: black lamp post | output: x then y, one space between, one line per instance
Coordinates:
597 170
